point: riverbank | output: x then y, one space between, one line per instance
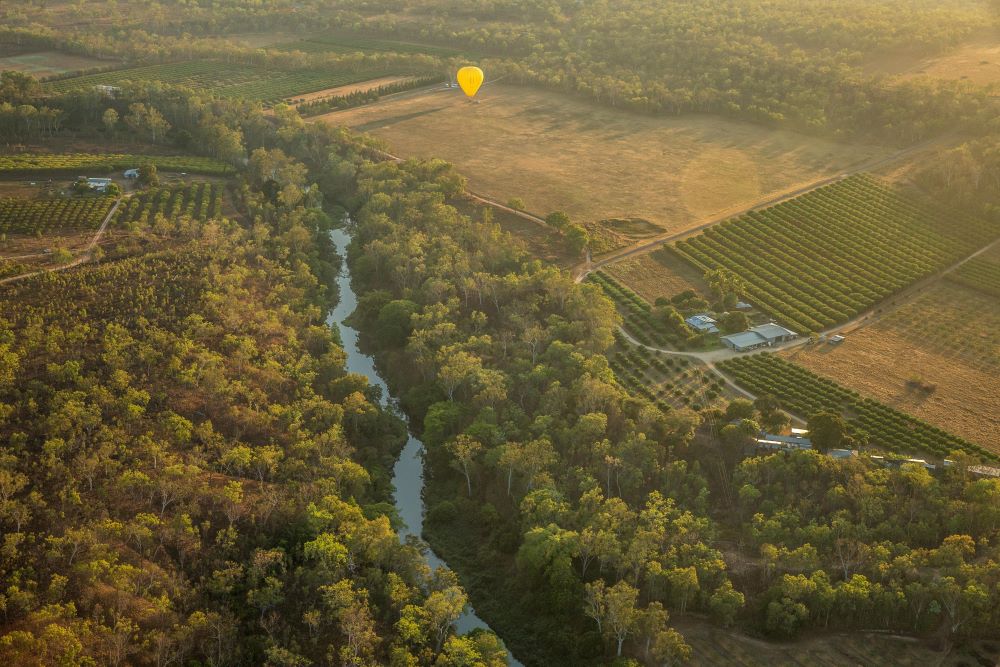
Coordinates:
408 471
481 546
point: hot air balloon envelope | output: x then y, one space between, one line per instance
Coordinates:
469 80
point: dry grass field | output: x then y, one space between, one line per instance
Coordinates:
977 61
949 339
656 274
559 153
610 235
49 63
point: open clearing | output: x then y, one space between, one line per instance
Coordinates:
659 273
556 152
50 63
977 61
947 339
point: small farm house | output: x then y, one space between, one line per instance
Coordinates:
764 335
99 184
702 323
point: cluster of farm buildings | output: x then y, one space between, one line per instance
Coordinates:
101 185
799 441
762 335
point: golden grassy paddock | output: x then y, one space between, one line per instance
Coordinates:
658 273
556 152
947 337
977 61
49 63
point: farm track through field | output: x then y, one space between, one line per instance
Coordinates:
85 256
876 314
709 362
869 317
653 243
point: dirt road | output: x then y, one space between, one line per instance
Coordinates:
85 256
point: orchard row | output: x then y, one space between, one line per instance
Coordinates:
979 274
804 393
48 216
829 255
73 162
267 85
199 200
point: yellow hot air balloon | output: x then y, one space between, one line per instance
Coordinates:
469 80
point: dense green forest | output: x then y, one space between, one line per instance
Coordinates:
189 475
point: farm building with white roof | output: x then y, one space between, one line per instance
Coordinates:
764 335
99 184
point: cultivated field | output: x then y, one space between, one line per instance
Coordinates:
559 153
72 162
805 393
937 357
835 252
637 313
50 63
226 80
338 91
48 216
198 200
979 274
668 381
661 273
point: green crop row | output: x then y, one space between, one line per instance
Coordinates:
32 216
804 393
269 86
979 274
636 312
361 97
73 162
192 73
277 86
825 257
199 200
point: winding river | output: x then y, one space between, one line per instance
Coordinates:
408 473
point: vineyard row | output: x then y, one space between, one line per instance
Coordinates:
804 393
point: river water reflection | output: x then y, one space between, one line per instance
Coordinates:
408 473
